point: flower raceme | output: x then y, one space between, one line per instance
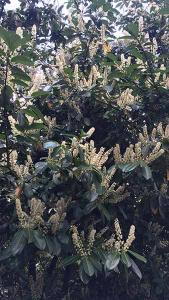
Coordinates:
85 247
116 242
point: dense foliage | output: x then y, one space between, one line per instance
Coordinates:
84 150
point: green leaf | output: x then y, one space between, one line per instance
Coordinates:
6 94
39 240
97 176
126 37
11 39
108 88
135 52
23 60
135 268
40 166
33 111
19 82
63 238
52 245
138 256
50 145
69 260
28 191
25 140
57 247
2 53
89 208
88 267
164 11
133 29
128 167
68 71
49 244
92 196
104 211
83 276
112 57
165 144
5 253
125 259
30 236
22 120
115 74
96 263
9 91
18 242
20 74
34 126
2 136
112 260
40 93
146 172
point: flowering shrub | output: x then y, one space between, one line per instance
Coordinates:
84 147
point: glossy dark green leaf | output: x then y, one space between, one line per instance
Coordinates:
40 93
70 260
39 240
6 95
18 243
35 112
104 211
88 267
19 82
165 144
146 172
40 166
49 245
135 52
2 53
23 60
21 118
112 260
126 37
57 246
28 191
9 91
5 253
25 140
83 276
11 39
112 57
133 29
135 268
2 136
97 178
93 196
96 263
30 236
50 145
128 167
30 127
164 11
63 238
108 88
20 74
138 256
90 207
125 259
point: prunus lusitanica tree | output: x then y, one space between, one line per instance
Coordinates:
84 150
